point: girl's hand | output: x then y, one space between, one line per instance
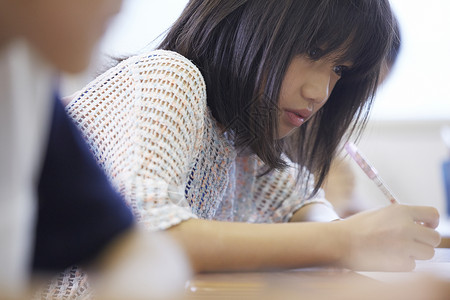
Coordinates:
390 238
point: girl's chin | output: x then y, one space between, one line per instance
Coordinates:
285 131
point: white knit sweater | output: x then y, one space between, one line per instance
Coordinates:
148 124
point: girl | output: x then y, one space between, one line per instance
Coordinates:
224 135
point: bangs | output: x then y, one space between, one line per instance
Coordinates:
351 31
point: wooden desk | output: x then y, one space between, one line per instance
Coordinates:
313 284
445 242
270 285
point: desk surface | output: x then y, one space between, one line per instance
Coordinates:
314 283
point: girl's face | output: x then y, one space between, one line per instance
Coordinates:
65 32
306 87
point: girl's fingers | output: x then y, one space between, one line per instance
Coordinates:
426 235
400 264
422 251
428 216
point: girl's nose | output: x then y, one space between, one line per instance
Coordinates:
317 87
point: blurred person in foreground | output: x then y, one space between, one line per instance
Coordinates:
57 207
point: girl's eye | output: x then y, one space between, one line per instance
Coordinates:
315 53
340 70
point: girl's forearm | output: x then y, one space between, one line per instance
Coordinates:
315 212
227 246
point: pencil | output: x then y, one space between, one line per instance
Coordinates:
370 171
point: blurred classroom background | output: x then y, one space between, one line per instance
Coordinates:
402 140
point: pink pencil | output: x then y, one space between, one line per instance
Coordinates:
369 170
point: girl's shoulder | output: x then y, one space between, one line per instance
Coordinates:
170 73
169 63
168 80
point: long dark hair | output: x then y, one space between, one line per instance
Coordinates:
243 49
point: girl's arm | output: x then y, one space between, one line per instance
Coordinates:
315 212
235 246
387 239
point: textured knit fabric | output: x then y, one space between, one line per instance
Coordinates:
72 284
148 124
